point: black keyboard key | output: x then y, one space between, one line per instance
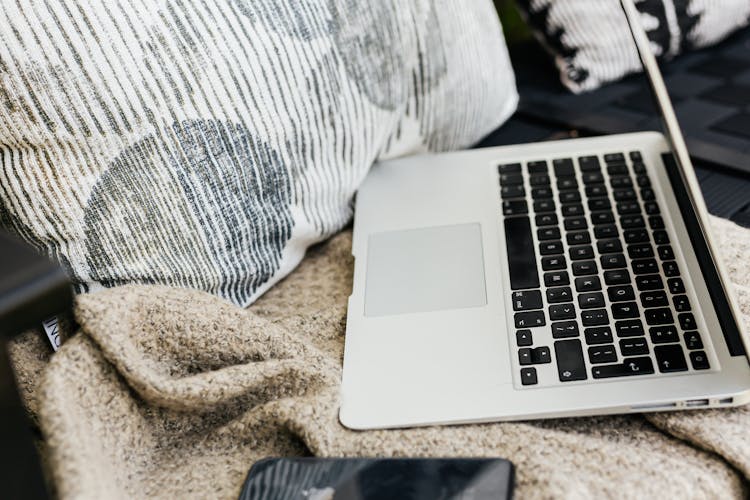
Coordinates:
665 252
651 208
559 294
544 206
629 367
620 182
626 194
598 335
628 208
670 269
521 256
528 376
575 224
526 300
665 334
670 358
581 253
579 238
569 197
649 282
556 278
620 293
589 163
596 191
625 310
537 167
548 233
655 221
609 246
643 181
661 238
699 360
639 168
635 156
541 355
570 362
634 347
574 210
588 284
614 158
512 191
613 261
607 231
599 204
541 192
647 194
654 299
659 316
687 321
592 178
524 338
564 329
563 167
617 277
524 356
629 328
584 268
594 317
529 319
602 218
617 169
559 312
591 300
640 251
515 207
645 266
551 247
553 263
681 303
675 286
602 354
539 180
566 183
632 221
635 236
508 179
510 168
546 220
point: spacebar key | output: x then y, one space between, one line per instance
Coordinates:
629 366
570 363
521 256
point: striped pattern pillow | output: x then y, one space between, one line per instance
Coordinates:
208 144
592 44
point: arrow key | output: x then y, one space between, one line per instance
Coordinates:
670 358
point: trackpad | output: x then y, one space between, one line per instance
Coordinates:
426 269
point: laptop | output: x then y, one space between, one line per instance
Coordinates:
565 278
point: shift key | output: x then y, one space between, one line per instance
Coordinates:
570 363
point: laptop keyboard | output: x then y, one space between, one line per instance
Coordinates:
590 262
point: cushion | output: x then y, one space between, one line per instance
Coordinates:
208 144
592 45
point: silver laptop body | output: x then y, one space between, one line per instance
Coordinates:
564 278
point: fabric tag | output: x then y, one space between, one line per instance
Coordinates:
53 332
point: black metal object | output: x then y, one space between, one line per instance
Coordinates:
32 289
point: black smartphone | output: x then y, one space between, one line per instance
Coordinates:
379 479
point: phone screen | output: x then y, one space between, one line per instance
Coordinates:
379 479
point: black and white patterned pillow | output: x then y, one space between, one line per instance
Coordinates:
208 144
592 44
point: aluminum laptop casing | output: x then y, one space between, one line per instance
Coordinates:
456 365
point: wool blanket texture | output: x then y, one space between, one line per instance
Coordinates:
174 393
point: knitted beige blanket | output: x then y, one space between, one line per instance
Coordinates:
175 393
